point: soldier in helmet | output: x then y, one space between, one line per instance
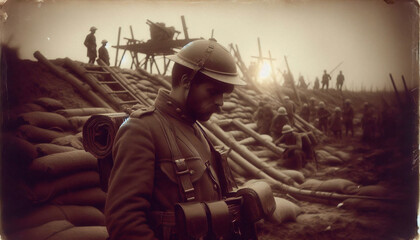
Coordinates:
278 122
348 115
323 115
294 157
263 116
103 52
336 122
290 108
312 109
161 154
305 112
90 43
316 83
340 81
325 80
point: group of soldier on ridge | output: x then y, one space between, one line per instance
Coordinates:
326 78
92 53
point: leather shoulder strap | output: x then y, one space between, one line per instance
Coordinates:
182 172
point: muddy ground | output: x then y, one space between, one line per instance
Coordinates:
392 163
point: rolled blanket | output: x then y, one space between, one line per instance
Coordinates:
99 132
83 111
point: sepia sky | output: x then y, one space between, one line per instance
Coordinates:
371 38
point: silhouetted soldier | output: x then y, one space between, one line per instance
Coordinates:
336 122
90 43
302 83
278 122
263 117
103 52
288 81
340 81
316 83
323 115
348 115
290 109
368 122
294 157
305 112
325 80
313 109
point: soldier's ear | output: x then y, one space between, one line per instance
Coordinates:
185 81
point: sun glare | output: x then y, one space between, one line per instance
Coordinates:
265 71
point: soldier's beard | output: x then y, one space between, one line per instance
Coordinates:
199 111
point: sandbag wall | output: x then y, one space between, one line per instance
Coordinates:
50 183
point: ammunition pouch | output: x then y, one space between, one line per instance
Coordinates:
191 220
258 201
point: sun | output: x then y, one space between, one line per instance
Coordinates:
265 71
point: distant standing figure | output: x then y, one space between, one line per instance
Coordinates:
348 115
90 43
325 80
103 52
336 122
316 83
340 81
323 116
263 117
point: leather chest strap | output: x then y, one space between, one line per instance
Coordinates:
182 171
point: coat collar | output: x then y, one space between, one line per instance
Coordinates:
170 106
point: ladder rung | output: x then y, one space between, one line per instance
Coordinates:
118 92
129 102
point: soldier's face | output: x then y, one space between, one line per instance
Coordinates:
206 98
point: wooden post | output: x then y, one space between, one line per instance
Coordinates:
82 87
396 91
118 46
184 27
293 82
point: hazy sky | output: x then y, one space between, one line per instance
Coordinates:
371 38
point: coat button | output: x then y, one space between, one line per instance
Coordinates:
215 186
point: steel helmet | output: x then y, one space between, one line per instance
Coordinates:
282 111
104 41
211 59
286 98
305 105
347 100
286 129
337 109
93 28
321 104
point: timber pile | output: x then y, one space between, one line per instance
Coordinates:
52 176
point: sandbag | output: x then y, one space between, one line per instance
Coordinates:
311 184
295 175
45 120
76 123
76 215
86 197
82 233
59 164
285 211
83 111
49 148
45 190
49 103
229 106
17 150
28 107
252 126
265 154
38 135
237 134
339 186
69 140
42 232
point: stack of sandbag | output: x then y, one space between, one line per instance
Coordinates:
52 186
285 211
